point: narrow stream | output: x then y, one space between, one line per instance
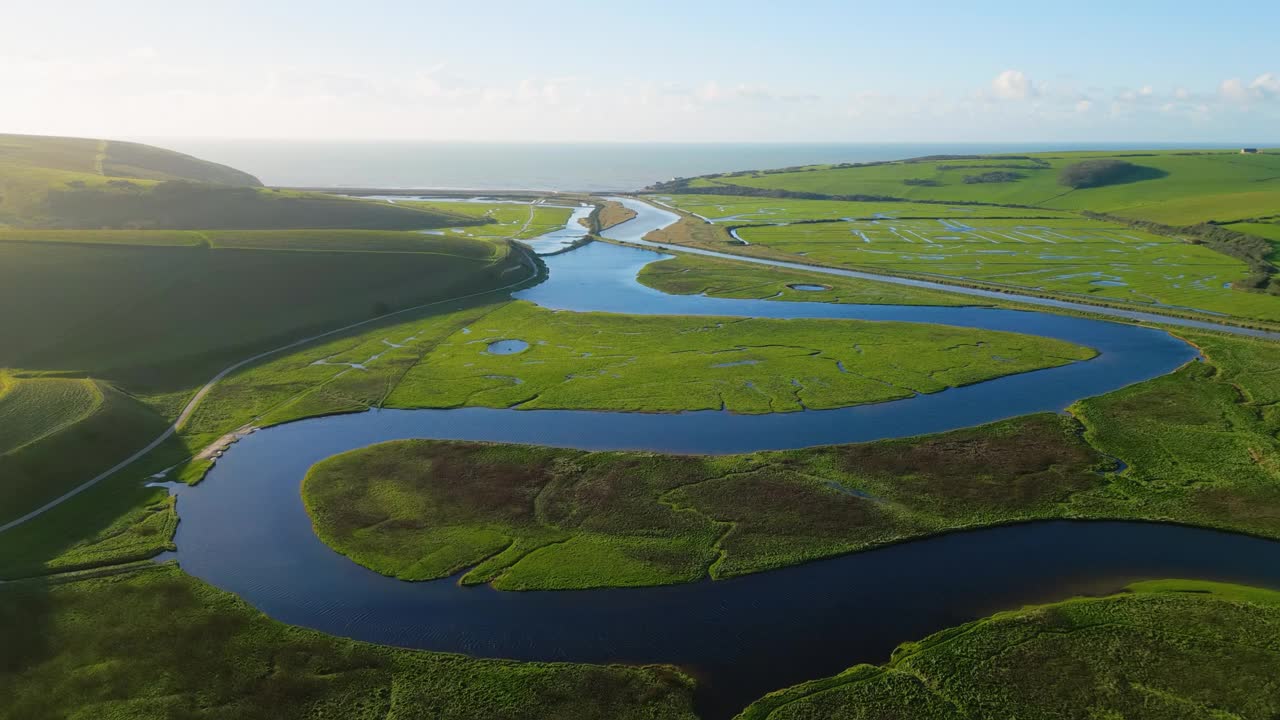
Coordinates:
244 529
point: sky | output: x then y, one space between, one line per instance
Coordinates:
745 71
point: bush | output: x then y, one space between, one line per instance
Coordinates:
999 176
1096 173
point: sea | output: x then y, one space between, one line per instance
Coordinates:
592 167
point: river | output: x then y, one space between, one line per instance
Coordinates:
244 529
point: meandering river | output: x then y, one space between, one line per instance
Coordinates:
244 529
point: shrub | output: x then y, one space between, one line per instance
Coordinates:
1096 173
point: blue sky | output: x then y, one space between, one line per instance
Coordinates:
657 71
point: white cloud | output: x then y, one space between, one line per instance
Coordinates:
1084 106
1264 87
1012 85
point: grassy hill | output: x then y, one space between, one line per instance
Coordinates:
58 433
165 315
1176 188
86 183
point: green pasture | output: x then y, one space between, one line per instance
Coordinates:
169 317
602 361
152 643
32 408
739 210
1176 187
1084 257
73 434
1163 649
55 182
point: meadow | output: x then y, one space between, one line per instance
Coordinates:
32 408
1102 261
695 275
152 642
73 435
1196 447
164 318
1163 649
505 220
602 361
745 210
1172 187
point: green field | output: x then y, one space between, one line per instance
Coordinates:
695 275
33 408
1164 649
1174 187
731 210
154 643
1098 260
165 318
1199 445
602 361
506 220
74 434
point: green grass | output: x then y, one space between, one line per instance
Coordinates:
301 240
602 361
731 210
1241 186
1165 649
85 183
507 220
1200 446
33 408
526 517
154 643
115 159
694 275
1098 260
163 318
1268 230
81 438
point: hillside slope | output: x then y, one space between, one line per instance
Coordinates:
54 182
1177 188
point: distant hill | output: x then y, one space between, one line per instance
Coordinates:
1181 187
58 182
113 158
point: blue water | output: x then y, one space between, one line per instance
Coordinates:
551 166
245 529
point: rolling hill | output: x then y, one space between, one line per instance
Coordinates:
55 182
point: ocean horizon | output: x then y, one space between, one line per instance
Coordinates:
590 167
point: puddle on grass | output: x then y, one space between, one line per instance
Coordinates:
506 347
